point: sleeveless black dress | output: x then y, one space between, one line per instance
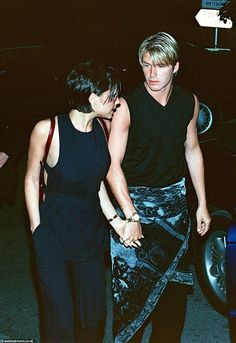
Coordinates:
71 216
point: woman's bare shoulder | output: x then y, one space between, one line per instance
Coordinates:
41 130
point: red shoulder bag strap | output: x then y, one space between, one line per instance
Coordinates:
104 127
49 139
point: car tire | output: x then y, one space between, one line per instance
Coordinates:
210 261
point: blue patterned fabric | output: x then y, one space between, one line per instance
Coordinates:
140 275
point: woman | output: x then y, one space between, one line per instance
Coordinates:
68 229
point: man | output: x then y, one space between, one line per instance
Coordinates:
153 136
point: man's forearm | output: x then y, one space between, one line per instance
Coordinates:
196 169
119 188
118 185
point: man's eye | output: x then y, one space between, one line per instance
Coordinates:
145 65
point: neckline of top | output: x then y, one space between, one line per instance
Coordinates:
79 131
169 100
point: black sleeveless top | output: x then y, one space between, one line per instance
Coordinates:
83 160
71 211
155 150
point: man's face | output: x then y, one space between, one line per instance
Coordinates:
157 76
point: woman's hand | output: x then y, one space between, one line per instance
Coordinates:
33 227
127 232
118 225
132 234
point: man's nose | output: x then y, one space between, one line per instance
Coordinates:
152 71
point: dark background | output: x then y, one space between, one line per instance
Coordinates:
40 42
107 29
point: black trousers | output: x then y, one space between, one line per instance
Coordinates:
168 316
73 296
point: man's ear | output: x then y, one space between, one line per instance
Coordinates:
176 68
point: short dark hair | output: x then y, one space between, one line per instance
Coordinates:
87 78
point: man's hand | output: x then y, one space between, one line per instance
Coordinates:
132 234
3 159
203 220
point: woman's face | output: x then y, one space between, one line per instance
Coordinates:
104 106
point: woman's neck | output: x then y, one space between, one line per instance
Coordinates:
82 121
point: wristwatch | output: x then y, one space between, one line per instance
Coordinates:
134 218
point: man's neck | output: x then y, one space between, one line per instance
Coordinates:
161 96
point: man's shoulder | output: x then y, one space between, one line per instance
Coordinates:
184 101
182 91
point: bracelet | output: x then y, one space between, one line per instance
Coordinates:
111 219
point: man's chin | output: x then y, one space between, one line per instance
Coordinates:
153 87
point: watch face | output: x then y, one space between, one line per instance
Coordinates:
136 217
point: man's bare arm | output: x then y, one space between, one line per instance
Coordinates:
116 178
195 164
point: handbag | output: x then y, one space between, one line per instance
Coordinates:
42 184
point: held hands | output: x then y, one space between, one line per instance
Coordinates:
203 220
132 234
128 231
118 225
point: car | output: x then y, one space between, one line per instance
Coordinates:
231 278
211 79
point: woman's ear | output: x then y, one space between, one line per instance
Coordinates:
93 99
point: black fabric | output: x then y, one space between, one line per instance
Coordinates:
72 306
168 317
72 233
71 210
140 276
155 150
83 160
